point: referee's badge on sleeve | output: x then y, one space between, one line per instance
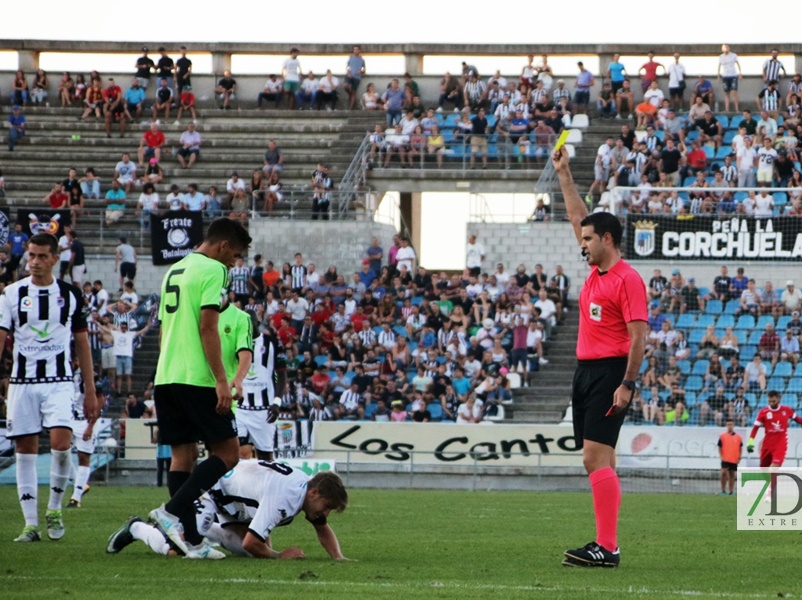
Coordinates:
595 312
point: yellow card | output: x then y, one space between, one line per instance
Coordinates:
561 140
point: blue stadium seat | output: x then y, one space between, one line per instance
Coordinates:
794 385
742 337
644 365
714 307
763 321
711 153
400 331
776 383
780 119
690 399
782 322
369 410
754 337
745 322
723 151
728 137
732 307
783 369
747 353
452 119
688 181
725 321
695 336
417 300
740 196
321 360
684 367
694 384
704 320
780 199
693 135
735 121
435 410
491 120
724 120
448 135
686 321
700 367
704 291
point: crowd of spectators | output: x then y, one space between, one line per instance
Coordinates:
713 352
394 342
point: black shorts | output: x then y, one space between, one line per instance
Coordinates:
732 467
128 270
186 414
476 271
595 382
63 267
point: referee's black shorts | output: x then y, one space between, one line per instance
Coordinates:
187 414
595 382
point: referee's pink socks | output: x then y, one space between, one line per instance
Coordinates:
606 501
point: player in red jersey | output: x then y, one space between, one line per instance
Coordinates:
613 320
774 418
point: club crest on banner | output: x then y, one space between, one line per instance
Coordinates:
644 237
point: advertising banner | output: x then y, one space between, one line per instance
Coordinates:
174 235
695 237
447 443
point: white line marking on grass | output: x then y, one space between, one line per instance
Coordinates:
407 585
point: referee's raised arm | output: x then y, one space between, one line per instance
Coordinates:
576 208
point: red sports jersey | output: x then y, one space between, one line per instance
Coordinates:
607 303
775 421
153 139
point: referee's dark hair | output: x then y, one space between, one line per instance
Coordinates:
45 239
604 222
229 230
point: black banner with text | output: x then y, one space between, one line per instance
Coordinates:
174 235
698 237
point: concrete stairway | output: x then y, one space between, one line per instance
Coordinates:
549 393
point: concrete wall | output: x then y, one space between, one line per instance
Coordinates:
341 244
554 243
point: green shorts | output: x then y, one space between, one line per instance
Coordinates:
291 86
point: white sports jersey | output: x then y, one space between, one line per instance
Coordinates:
258 387
42 320
264 494
78 398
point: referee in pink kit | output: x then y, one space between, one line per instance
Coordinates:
613 319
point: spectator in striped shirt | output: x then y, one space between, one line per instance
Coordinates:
772 67
351 404
298 273
769 99
367 335
794 88
239 276
475 92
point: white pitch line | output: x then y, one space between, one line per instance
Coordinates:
457 586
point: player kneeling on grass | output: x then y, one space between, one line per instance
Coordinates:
244 507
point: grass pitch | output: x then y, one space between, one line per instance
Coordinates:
418 544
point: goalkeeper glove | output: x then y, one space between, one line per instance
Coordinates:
750 445
273 410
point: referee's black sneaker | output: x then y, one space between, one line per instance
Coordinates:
592 555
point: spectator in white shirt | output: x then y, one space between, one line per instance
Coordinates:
190 142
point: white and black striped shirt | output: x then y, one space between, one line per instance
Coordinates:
368 337
387 338
298 273
238 276
258 387
730 173
772 69
538 96
350 399
42 320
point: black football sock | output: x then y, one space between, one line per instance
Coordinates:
175 479
182 504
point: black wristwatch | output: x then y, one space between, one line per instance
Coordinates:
629 384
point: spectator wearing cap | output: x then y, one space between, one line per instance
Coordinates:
790 299
16 126
692 300
144 66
